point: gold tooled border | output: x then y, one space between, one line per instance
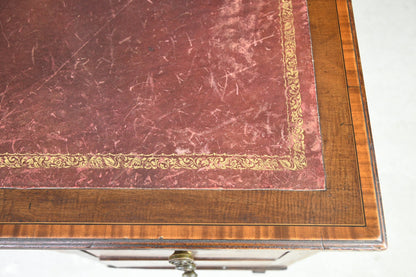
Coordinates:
294 161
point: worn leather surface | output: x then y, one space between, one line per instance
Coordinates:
194 94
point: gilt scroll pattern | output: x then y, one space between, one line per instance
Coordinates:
134 161
292 84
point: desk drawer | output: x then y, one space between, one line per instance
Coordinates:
256 260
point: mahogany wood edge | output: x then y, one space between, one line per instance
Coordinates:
89 244
383 235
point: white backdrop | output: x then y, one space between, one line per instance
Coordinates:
387 38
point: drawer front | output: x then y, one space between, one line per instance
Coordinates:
256 260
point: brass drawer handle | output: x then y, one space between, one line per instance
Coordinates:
184 260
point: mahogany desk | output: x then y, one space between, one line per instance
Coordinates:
227 229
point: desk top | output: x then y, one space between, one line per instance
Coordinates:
170 124
172 94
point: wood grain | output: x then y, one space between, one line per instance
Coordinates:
345 216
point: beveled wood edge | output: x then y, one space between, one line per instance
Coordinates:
383 236
355 81
123 244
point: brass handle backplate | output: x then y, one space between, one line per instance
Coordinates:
184 260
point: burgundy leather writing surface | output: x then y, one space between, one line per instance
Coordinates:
158 94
